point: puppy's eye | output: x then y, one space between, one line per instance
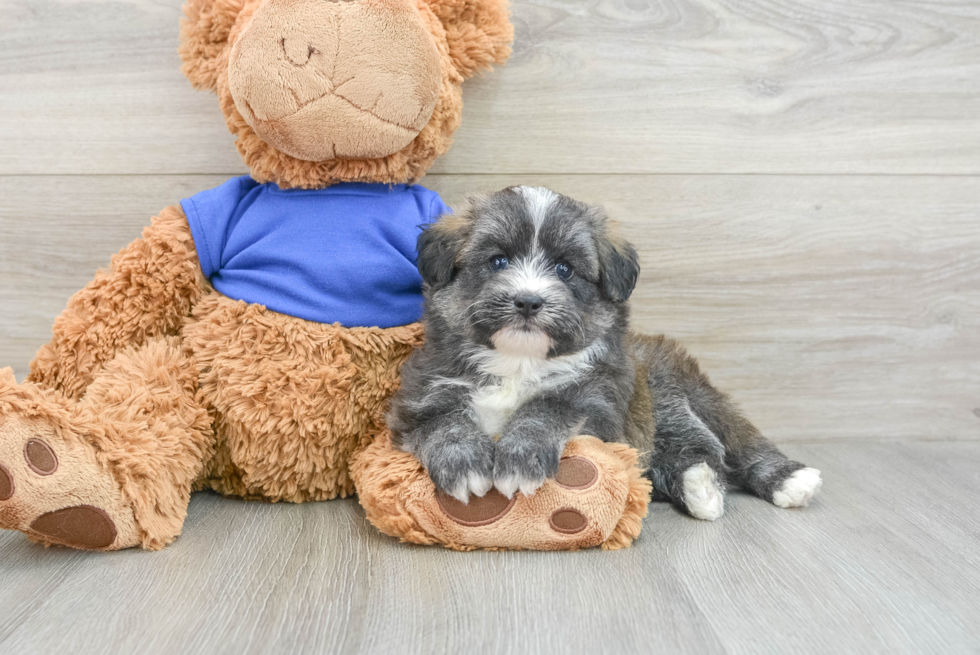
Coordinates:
563 270
499 263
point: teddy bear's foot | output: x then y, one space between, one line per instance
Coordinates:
52 487
54 491
597 498
568 502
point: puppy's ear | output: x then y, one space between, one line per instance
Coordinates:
619 267
439 247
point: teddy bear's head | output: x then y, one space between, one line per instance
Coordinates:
322 91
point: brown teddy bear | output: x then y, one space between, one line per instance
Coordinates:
250 341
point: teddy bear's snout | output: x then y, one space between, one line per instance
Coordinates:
352 79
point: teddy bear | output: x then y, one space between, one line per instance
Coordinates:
250 341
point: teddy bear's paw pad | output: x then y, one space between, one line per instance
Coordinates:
6 484
83 526
576 473
596 497
54 490
40 457
480 510
568 520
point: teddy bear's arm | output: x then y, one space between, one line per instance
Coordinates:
147 291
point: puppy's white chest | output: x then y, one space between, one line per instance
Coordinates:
521 379
495 404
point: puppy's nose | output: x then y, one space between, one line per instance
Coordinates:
528 305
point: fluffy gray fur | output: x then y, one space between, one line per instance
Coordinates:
521 355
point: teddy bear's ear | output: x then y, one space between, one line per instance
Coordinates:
204 39
478 31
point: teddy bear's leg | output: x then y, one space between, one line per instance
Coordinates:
598 497
114 469
294 400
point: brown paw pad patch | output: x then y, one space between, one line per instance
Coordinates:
83 526
6 484
568 521
40 457
479 511
576 473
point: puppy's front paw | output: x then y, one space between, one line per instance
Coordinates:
461 468
523 465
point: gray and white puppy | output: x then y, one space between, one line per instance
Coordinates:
527 343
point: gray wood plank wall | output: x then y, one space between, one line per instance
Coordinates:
832 307
777 163
802 178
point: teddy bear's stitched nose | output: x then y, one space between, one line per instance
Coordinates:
323 80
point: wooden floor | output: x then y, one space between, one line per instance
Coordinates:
886 560
802 179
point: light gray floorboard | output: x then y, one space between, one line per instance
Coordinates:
884 560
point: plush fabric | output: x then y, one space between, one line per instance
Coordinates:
155 384
469 36
221 394
294 399
400 500
338 90
344 254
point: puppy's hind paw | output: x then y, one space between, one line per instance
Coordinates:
798 489
703 498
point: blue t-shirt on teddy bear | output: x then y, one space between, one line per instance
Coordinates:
344 254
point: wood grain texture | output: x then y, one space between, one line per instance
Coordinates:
802 178
597 86
884 560
831 307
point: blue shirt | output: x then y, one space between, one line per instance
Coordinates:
345 254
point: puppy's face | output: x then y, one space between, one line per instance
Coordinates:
527 272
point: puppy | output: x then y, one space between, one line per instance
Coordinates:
527 343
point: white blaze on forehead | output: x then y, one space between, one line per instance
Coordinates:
522 343
538 199
530 276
